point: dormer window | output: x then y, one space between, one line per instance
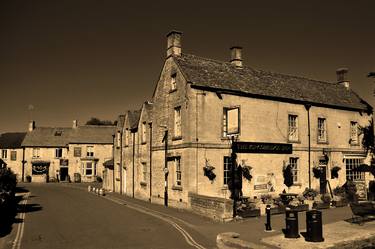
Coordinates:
173 82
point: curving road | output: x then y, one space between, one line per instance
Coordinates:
62 217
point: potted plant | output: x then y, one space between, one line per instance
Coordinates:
297 204
323 202
339 197
248 208
317 172
309 194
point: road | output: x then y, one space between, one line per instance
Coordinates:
63 217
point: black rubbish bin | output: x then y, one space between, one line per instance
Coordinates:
291 223
314 227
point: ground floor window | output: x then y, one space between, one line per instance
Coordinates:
293 162
178 171
13 155
89 168
350 164
4 154
227 166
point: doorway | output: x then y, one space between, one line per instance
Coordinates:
323 176
64 176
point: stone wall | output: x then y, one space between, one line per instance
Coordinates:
211 207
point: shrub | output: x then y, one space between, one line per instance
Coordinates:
28 178
310 193
326 198
8 181
339 191
351 191
99 179
266 199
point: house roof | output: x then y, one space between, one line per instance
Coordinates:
217 75
61 137
92 134
133 117
11 140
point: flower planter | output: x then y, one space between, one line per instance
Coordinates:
321 205
300 208
341 203
277 210
246 213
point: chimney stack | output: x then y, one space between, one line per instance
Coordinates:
31 125
75 123
174 43
236 56
342 77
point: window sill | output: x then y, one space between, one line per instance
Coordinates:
322 142
144 143
143 184
294 141
225 187
179 188
176 138
297 184
173 90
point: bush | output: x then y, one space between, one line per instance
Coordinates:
339 191
99 179
351 191
310 193
266 199
8 181
28 178
326 198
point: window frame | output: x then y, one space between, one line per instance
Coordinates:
90 152
91 168
173 82
36 153
13 155
324 129
295 169
144 172
76 150
4 154
227 164
291 138
177 171
177 123
144 132
349 173
58 153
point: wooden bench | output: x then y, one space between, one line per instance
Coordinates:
363 211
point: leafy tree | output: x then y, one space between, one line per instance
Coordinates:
96 121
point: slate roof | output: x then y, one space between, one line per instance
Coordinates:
61 137
217 75
133 117
120 122
11 140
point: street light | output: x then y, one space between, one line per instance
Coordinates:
166 171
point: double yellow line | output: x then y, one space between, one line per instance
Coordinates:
21 225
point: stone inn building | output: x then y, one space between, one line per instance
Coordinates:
12 152
199 104
74 153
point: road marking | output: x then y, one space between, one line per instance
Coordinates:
20 228
159 215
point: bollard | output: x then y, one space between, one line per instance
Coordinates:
291 222
93 189
101 192
268 212
314 227
89 188
97 191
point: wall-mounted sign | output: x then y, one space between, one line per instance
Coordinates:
255 147
64 162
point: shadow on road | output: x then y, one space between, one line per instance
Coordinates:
9 211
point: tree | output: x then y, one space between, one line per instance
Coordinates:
96 121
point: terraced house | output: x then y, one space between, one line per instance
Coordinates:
199 105
12 152
74 153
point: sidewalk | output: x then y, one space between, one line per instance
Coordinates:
251 229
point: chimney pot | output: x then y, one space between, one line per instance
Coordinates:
174 43
236 56
31 125
342 77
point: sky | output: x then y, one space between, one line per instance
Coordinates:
66 60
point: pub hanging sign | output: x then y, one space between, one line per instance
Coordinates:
256 147
39 169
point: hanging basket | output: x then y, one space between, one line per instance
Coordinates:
335 172
208 171
246 172
317 172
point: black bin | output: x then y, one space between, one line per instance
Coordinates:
314 227
291 223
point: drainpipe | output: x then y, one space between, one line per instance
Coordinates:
150 160
113 172
120 162
133 159
307 107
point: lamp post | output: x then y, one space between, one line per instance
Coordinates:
166 171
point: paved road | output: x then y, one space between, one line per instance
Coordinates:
63 217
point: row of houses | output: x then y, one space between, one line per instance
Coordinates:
198 108
44 154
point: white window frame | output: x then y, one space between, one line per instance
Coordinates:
293 162
36 152
4 153
90 151
75 150
322 130
350 164
57 150
178 171
293 130
92 168
354 136
226 169
177 121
